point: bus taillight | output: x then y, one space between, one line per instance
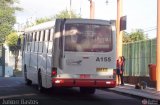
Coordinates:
54 72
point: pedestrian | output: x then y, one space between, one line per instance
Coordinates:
119 66
122 70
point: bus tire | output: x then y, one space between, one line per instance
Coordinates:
87 90
40 87
27 81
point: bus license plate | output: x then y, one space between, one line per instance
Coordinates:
85 76
101 69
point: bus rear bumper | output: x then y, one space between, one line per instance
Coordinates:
97 83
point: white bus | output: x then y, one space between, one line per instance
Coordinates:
70 53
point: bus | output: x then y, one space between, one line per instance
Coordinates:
70 53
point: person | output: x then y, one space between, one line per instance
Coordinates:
122 70
119 71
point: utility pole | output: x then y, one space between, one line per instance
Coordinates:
158 47
119 33
92 9
70 8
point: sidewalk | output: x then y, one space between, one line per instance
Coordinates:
149 93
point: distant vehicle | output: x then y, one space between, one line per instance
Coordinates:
70 53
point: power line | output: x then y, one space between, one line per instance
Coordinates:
150 30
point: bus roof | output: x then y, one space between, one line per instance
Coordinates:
41 26
51 24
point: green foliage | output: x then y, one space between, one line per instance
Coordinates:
42 20
7 18
137 35
62 14
134 36
126 38
67 14
12 39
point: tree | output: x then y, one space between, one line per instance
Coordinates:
7 18
126 38
61 14
137 35
42 20
67 14
134 36
11 39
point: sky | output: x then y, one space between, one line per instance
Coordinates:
141 14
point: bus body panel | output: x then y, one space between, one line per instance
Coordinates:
88 63
48 73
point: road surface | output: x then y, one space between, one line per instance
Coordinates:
14 91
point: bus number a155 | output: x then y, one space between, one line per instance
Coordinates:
103 59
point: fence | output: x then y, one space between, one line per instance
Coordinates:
138 55
2 60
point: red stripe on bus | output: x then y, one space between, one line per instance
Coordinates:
59 82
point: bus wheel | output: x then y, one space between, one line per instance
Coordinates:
87 90
27 81
40 88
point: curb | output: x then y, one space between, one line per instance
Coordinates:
135 95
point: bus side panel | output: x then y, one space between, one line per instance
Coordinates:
33 67
48 74
56 40
49 65
39 56
40 59
26 61
44 64
114 47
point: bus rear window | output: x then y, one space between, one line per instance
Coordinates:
88 38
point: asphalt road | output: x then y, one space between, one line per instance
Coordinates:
13 91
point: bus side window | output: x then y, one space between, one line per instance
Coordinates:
49 34
35 36
40 41
39 37
36 41
29 41
43 39
26 41
45 44
28 37
32 42
31 37
46 35
50 42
